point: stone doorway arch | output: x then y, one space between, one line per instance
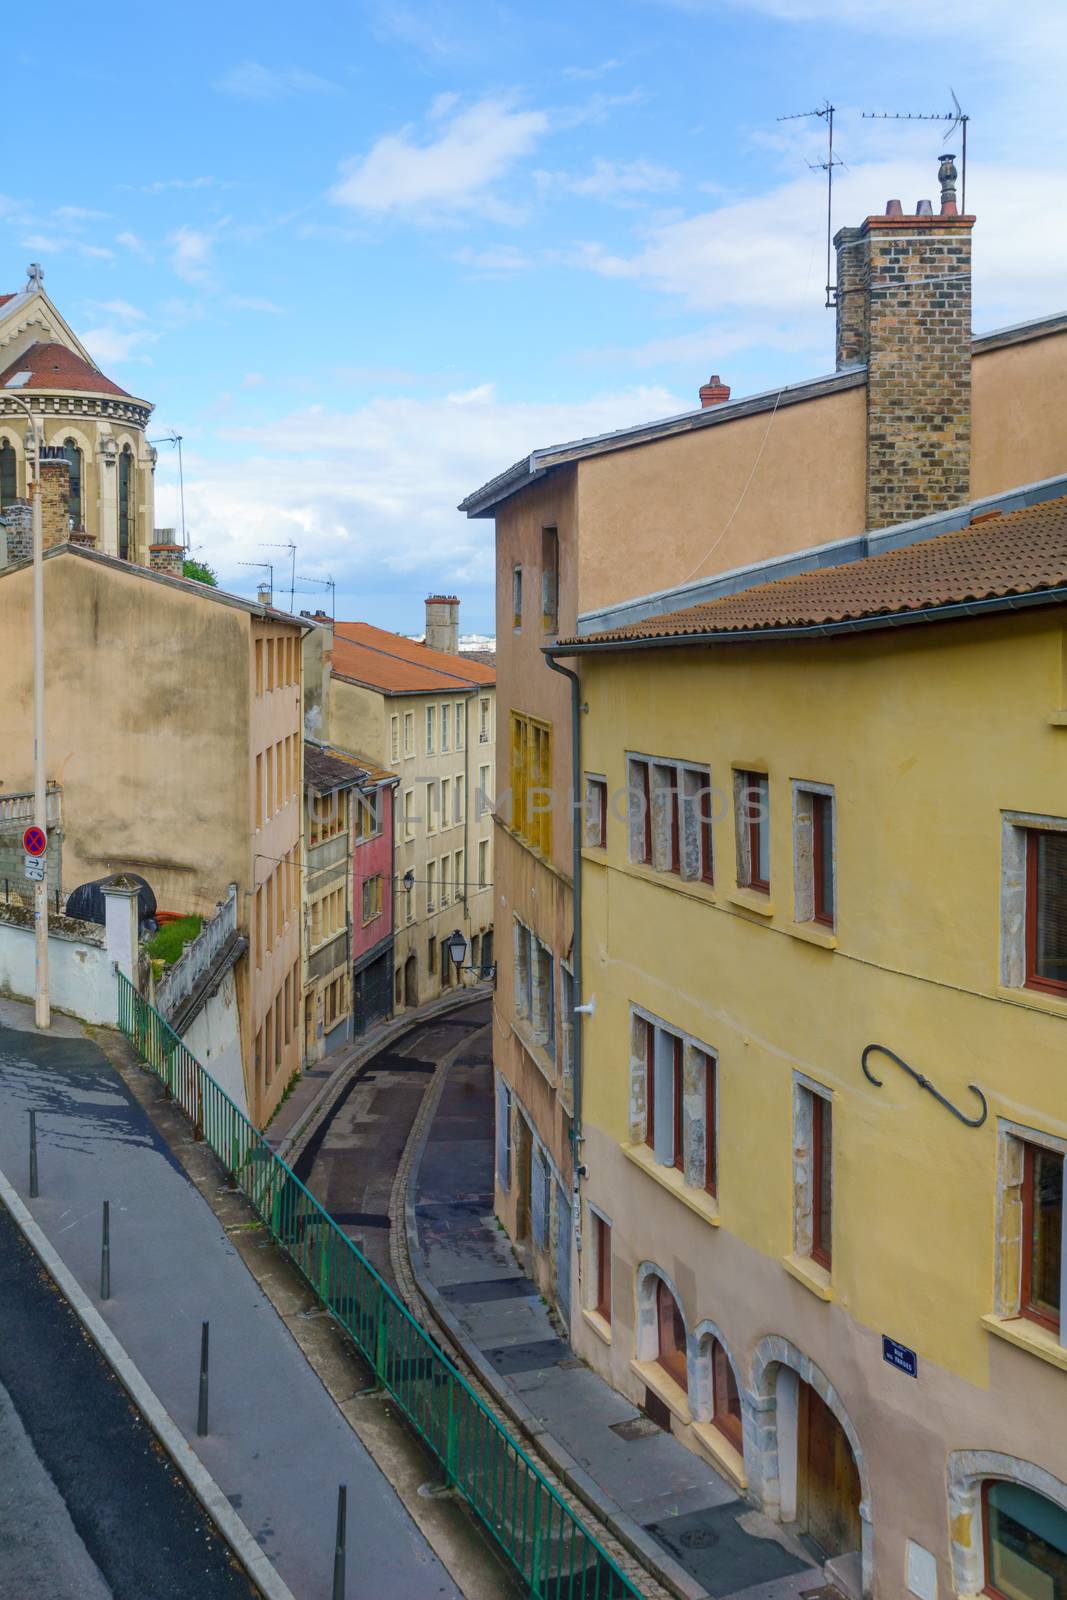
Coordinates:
777 1368
968 1470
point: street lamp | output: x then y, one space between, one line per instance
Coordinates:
34 443
456 945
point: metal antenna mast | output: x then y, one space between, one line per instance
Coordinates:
176 439
826 110
956 118
327 583
291 547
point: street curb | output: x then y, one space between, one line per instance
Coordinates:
245 1550
628 1532
289 1148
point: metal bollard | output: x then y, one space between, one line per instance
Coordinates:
105 1254
33 1156
339 1551
201 1410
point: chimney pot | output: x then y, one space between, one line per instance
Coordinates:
714 392
924 208
893 208
947 175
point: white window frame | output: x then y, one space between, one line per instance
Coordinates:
409 734
483 863
445 725
394 737
804 848
431 729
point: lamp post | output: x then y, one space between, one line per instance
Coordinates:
456 945
34 443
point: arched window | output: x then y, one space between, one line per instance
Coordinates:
74 461
1025 1543
671 1325
726 1401
125 502
8 475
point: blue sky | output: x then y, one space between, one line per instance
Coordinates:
364 256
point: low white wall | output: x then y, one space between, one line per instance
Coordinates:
81 974
214 1037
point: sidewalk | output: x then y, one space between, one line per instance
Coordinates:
278 1445
704 1537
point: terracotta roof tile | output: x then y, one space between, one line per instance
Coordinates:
396 665
1019 552
324 771
53 366
4 298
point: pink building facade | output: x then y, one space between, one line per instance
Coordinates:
372 898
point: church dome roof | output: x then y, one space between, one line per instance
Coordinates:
53 366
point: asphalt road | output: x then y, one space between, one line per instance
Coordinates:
90 1508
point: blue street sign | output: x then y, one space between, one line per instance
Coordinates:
899 1356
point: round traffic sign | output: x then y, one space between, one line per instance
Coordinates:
35 841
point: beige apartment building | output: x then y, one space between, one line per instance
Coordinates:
425 712
918 416
173 738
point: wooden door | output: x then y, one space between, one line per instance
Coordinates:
828 1484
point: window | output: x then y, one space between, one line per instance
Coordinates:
705 1068
534 987
726 1402
431 885
670 817
259 790
549 579
431 956
270 664
671 1326
431 720
516 598
503 1133
640 811
372 898
483 863
368 813
409 814
447 816
1046 911
459 814
596 812
813 1161
259 926
9 483
446 729
461 724
74 462
602 1252
814 852
1042 1235
483 721
458 875
1025 1543
409 733
567 1026
126 505
394 738
446 879
531 780
751 799
433 798
409 903
484 798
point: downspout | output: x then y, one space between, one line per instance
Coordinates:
577 1136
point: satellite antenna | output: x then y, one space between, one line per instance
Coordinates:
176 439
327 583
826 110
956 118
291 547
264 566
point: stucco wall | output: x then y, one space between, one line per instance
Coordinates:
214 1037
933 735
1020 414
81 976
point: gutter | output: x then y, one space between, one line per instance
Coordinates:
953 612
577 1137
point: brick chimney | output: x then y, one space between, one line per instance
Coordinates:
55 496
714 392
904 308
442 623
166 555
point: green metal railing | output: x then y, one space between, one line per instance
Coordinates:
556 1555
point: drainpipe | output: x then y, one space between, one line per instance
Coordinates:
576 950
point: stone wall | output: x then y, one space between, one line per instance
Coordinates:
16 533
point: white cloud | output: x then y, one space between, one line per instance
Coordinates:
369 494
159 184
252 302
453 169
191 251
97 252
613 180
123 309
135 245
111 346
498 260
253 81
600 70
253 380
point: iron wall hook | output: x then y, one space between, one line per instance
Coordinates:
924 1083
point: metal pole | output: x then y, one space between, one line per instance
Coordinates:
105 1255
339 1550
42 1015
201 1410
33 1155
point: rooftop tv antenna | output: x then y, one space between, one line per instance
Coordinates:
826 110
291 547
956 118
327 583
176 439
264 566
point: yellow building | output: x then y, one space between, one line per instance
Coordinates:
98 426
173 742
824 952
916 417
